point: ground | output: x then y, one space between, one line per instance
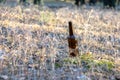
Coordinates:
33 43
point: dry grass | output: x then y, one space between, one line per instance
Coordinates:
33 43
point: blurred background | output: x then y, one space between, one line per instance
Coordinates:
101 3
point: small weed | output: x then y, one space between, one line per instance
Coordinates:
88 60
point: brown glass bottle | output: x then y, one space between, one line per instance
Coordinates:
72 42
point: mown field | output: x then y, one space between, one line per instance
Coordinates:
33 43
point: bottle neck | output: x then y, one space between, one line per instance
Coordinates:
70 29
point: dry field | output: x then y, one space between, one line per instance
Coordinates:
33 43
